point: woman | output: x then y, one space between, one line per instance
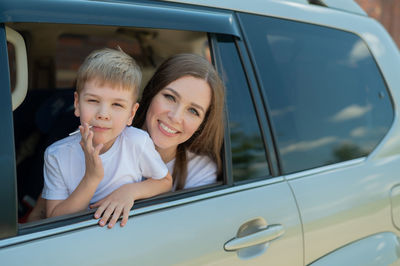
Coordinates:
182 110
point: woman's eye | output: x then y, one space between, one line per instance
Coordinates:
194 111
92 100
169 97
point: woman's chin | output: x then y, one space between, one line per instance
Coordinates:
164 145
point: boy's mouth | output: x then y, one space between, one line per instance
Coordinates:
77 131
100 129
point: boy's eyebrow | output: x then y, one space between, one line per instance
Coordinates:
115 99
179 96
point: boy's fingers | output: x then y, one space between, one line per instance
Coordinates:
81 129
98 149
100 210
89 139
96 204
85 130
106 215
125 216
115 216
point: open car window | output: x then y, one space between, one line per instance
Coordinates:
55 53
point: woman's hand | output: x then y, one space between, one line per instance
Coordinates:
120 201
94 166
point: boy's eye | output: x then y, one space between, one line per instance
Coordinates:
169 97
118 105
194 111
92 100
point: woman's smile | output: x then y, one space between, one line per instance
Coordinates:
166 129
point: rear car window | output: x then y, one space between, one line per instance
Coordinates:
328 101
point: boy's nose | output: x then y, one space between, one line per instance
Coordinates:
103 113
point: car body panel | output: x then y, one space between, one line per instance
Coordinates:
353 203
379 249
179 233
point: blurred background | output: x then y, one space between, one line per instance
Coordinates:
387 12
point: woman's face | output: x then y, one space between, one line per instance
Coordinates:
176 112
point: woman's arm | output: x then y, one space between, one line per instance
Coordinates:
121 200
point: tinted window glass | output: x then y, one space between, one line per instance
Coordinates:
248 153
328 102
11 64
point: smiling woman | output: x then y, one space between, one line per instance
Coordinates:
182 109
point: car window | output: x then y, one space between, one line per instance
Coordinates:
327 98
249 159
11 64
46 115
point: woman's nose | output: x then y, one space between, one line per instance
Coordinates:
176 115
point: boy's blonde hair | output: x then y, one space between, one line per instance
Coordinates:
110 66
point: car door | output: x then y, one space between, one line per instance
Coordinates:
331 108
249 218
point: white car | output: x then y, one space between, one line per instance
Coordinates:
312 145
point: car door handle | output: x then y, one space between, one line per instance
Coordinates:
267 234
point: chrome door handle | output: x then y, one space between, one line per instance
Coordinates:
267 234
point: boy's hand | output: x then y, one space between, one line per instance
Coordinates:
120 201
94 166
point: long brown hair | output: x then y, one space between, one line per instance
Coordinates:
207 140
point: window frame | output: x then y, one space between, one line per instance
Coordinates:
195 19
263 124
8 223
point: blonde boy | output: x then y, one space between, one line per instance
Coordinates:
84 168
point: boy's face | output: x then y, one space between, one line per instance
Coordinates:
107 109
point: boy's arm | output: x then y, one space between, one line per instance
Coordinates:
77 201
94 173
121 200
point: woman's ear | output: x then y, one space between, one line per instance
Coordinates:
133 112
76 104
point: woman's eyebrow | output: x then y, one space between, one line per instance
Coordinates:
179 96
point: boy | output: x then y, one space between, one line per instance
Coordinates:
84 168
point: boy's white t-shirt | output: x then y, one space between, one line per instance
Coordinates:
201 170
132 156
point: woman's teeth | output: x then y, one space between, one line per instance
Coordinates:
167 129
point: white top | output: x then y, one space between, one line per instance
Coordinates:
201 170
132 156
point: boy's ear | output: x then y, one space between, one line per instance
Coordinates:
76 104
133 112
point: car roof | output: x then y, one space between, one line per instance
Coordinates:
262 6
